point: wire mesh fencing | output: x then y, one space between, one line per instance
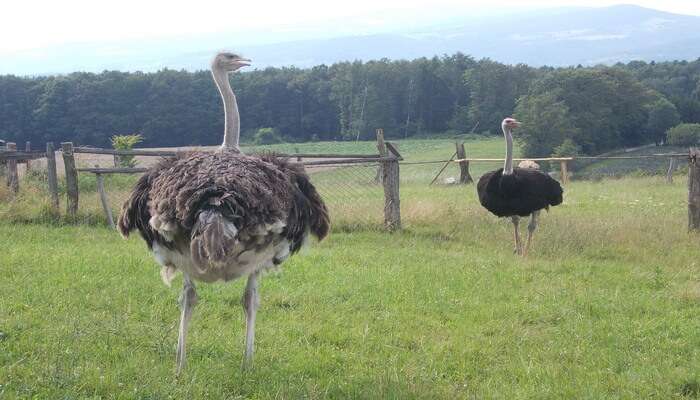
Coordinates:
28 198
353 192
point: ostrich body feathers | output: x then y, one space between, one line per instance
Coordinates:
521 193
219 216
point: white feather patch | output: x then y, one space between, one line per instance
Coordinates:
167 274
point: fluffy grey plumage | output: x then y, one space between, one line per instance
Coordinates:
210 201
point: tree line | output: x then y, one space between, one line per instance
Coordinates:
577 109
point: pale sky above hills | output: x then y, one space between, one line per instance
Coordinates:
28 25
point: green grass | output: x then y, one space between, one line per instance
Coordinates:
606 306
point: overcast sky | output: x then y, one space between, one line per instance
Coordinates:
30 24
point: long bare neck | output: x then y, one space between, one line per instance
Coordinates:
508 164
232 120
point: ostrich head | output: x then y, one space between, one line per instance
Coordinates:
510 124
228 62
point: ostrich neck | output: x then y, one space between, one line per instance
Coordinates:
508 164
232 120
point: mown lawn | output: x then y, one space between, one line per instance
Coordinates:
606 306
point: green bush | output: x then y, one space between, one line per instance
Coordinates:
567 149
684 135
267 136
126 142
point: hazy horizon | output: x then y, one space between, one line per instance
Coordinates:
82 36
87 22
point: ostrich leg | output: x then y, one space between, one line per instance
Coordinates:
188 299
518 246
251 301
531 229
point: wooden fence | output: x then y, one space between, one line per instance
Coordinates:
388 158
464 162
10 158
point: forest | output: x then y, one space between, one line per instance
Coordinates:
582 110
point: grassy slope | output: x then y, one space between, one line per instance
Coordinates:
605 307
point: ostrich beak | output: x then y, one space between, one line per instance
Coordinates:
244 62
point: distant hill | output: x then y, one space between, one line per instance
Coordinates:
556 37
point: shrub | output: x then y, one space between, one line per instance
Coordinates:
126 142
567 149
267 136
684 135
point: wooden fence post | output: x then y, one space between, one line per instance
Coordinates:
390 178
694 190
3 164
464 176
381 146
103 198
564 168
12 176
52 175
71 179
28 149
671 168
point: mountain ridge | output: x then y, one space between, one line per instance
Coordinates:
553 37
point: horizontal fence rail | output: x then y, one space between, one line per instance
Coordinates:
173 153
343 178
133 152
350 161
21 156
323 164
113 170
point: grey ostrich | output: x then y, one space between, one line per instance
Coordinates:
218 216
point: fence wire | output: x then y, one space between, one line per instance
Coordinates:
353 192
32 202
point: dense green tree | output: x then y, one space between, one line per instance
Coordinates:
684 135
662 116
595 108
605 108
547 124
494 88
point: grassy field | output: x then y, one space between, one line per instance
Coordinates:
606 306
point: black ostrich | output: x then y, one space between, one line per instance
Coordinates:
517 192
